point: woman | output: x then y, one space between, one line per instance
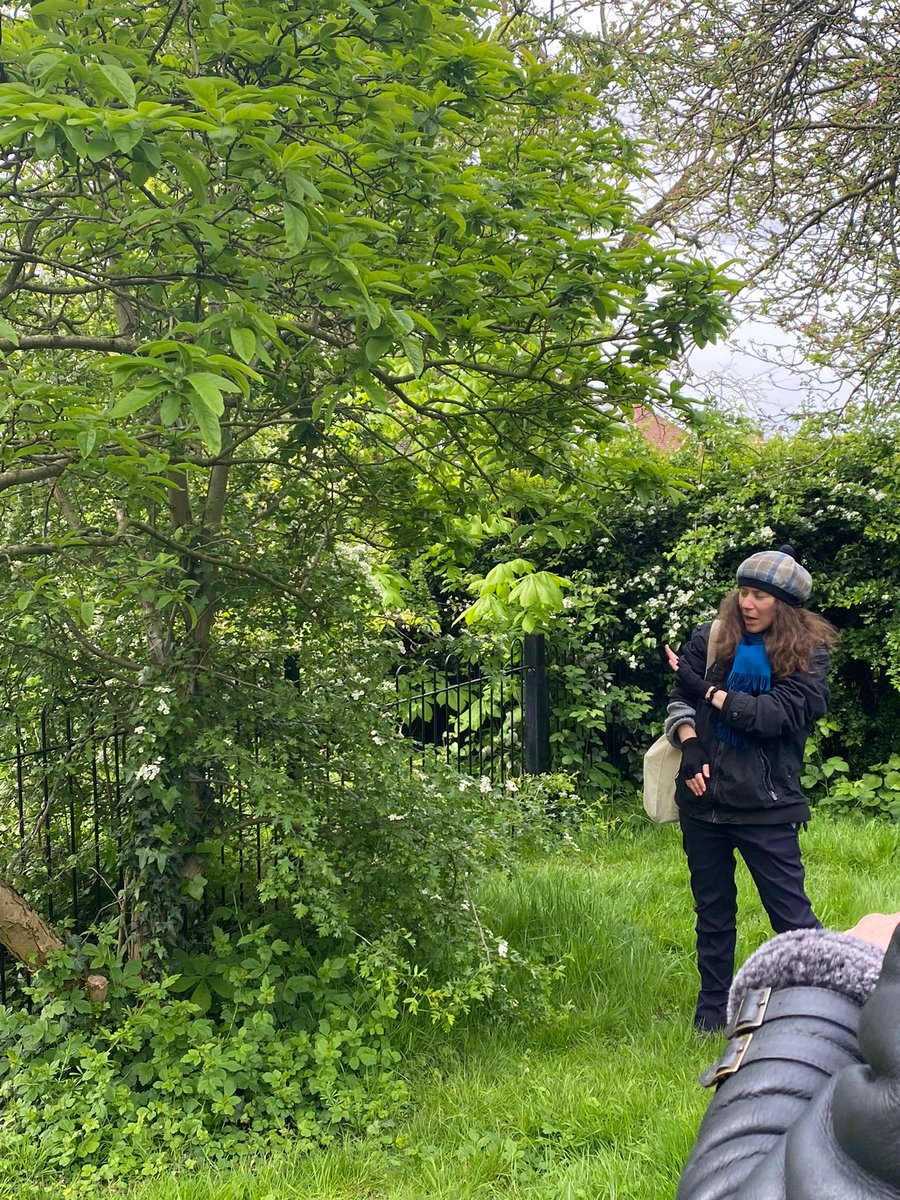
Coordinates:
742 732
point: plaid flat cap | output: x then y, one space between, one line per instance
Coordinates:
778 573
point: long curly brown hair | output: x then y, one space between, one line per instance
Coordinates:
791 640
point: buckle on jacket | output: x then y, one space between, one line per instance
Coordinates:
728 1063
752 1012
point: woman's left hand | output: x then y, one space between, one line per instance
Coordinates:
691 682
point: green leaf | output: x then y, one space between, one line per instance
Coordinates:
127 137
296 227
485 608
194 886
45 143
201 996
170 408
8 333
412 348
244 342
376 347
192 172
208 422
86 609
425 324
77 139
140 173
363 10
42 14
120 82
137 398
86 441
100 148
210 387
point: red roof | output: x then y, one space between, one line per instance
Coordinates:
659 432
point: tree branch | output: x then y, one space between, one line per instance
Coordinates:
53 341
10 479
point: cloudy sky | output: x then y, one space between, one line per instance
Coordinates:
760 370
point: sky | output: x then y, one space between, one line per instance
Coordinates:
760 370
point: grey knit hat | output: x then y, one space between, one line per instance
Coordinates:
778 573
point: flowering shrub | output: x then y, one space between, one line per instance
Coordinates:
266 1008
651 571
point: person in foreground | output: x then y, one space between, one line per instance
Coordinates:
741 716
808 1099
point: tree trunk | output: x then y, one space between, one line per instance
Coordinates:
28 938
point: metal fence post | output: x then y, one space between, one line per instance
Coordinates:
537 706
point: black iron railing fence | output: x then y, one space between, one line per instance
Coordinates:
64 776
483 722
61 781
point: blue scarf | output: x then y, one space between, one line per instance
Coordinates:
751 673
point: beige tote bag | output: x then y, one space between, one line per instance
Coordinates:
662 761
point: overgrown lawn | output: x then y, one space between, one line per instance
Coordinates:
599 1101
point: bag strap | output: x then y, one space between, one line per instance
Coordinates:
713 645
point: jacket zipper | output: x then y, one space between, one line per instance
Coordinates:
767 774
712 782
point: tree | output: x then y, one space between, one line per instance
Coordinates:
774 140
271 277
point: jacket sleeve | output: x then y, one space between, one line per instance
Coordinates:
847 1145
791 1039
792 704
682 709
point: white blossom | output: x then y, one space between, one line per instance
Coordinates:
148 771
484 784
164 708
503 949
511 786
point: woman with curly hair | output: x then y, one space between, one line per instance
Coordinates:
742 728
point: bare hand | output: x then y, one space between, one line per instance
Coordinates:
697 783
672 657
877 928
694 765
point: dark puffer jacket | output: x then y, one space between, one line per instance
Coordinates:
757 784
812 1111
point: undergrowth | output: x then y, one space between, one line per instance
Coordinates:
594 1095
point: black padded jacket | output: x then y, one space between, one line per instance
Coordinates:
812 1111
759 783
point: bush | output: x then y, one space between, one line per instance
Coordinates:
274 1022
256 1044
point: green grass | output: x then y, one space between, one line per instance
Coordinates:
602 1100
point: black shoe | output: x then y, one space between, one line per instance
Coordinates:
709 1022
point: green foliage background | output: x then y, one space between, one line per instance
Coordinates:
322 326
649 572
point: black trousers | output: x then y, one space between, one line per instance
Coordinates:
772 855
